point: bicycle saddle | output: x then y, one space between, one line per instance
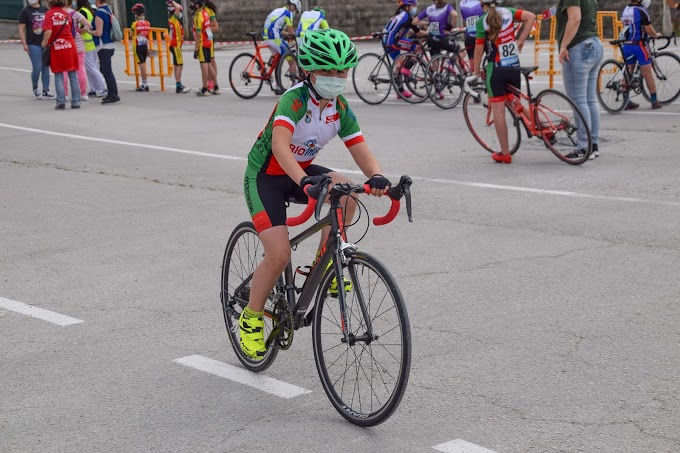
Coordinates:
253 33
526 70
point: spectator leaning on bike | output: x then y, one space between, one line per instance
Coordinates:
496 35
580 55
278 28
637 29
280 165
396 37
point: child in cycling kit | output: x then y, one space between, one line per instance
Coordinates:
440 16
204 50
140 41
280 166
176 32
637 28
496 35
311 20
471 10
278 28
395 40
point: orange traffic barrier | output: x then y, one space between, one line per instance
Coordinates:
608 29
546 40
159 63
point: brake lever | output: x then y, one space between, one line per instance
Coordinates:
407 195
322 197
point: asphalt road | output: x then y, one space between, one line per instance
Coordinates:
543 298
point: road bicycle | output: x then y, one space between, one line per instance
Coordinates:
409 70
248 72
360 332
371 77
616 83
288 74
549 115
448 71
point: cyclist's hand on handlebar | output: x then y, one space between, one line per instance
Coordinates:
315 190
378 184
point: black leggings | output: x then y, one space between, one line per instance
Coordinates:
107 71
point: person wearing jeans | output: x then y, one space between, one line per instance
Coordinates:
105 49
580 54
31 21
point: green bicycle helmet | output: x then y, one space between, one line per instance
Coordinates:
327 49
320 9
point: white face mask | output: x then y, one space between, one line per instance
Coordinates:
329 87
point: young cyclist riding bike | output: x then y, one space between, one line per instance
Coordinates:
637 30
280 165
312 20
278 29
496 36
395 40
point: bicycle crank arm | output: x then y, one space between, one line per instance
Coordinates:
272 336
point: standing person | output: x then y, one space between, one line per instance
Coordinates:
176 40
31 21
58 40
94 78
396 38
275 173
471 10
105 49
76 30
211 9
278 29
496 34
441 17
312 20
580 54
203 50
140 42
637 29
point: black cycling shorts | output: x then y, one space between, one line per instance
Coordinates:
470 43
498 77
141 52
267 196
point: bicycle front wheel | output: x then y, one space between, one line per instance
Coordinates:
666 69
371 78
445 84
366 377
287 71
409 72
245 76
479 119
563 127
243 254
612 86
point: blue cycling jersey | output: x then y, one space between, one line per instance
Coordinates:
634 20
396 28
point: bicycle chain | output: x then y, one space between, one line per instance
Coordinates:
283 312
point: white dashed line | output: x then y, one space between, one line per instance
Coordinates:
242 376
40 313
461 446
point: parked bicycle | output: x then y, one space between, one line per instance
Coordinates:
616 83
248 72
549 115
448 71
360 331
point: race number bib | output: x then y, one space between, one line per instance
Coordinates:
471 25
209 34
433 29
509 54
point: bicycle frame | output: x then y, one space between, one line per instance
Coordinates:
266 70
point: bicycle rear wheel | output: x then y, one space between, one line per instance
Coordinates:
245 76
560 120
371 78
479 119
364 379
243 253
612 83
410 71
666 69
287 71
445 84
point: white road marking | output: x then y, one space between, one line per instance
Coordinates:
242 376
40 313
353 172
461 446
28 70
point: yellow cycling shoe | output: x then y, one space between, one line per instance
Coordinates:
333 290
252 334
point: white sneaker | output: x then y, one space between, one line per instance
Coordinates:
594 154
101 94
37 93
84 97
48 95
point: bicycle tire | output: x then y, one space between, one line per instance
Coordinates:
483 129
284 77
559 130
666 70
244 241
371 78
445 85
243 85
415 82
611 91
389 323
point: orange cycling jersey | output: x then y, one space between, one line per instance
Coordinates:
140 32
202 31
176 32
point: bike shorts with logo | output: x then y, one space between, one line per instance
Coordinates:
141 52
497 78
636 52
268 195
